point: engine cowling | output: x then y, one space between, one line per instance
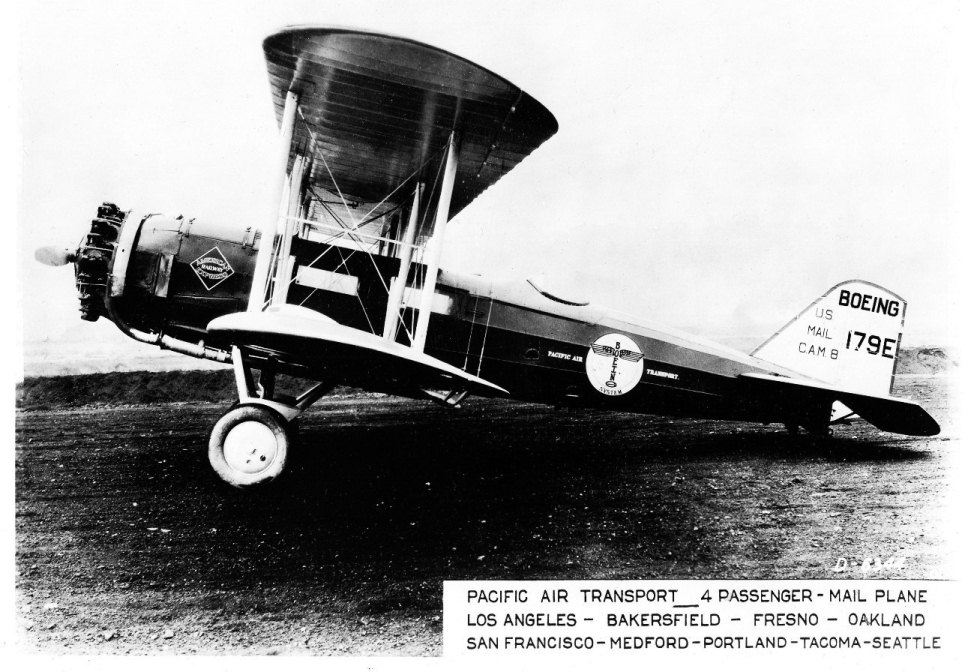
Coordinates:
163 275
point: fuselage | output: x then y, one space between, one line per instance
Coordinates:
167 278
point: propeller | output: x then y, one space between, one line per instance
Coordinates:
51 255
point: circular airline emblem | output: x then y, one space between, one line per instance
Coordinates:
614 364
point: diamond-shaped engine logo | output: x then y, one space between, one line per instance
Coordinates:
212 268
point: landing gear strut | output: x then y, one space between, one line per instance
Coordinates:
249 444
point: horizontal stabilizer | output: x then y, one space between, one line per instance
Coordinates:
300 335
890 414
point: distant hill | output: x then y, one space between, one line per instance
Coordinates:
925 361
147 387
132 387
140 387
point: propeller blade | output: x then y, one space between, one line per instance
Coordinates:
51 255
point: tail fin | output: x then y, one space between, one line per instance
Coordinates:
849 337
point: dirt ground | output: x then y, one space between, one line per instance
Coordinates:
127 543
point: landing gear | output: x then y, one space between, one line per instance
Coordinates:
249 444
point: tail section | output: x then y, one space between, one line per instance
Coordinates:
849 337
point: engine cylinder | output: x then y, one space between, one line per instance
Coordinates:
93 261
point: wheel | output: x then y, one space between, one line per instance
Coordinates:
248 446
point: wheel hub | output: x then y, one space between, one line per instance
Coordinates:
250 447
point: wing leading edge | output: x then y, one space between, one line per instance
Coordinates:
890 414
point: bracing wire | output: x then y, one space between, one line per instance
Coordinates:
368 218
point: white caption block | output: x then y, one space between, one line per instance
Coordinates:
784 619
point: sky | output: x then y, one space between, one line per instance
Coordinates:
718 165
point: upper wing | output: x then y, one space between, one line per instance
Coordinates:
890 414
376 108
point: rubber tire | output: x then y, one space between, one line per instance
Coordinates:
216 444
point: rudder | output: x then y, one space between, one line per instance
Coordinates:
849 336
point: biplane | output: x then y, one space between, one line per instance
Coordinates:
383 141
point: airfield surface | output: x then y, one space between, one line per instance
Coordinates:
127 543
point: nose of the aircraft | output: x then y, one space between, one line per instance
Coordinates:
91 259
52 255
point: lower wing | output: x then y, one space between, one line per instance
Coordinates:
301 336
